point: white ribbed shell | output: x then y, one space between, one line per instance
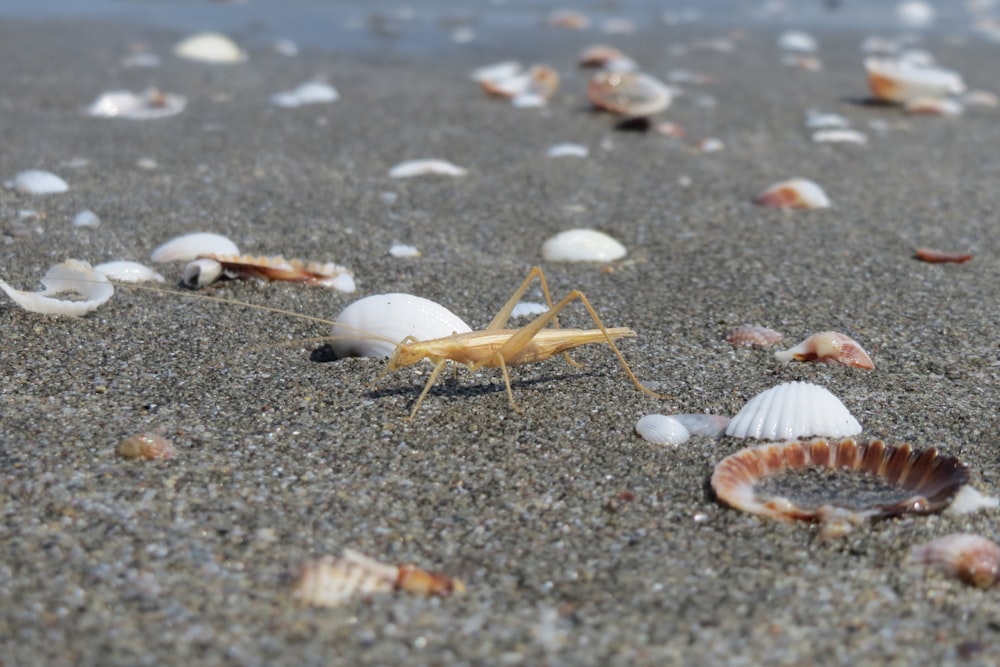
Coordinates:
662 430
392 317
793 410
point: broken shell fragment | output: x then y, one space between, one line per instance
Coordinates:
797 40
72 275
318 274
86 218
148 446
839 136
129 272
793 410
894 81
828 347
375 325
933 106
972 558
855 481
310 92
582 245
201 273
191 246
37 182
629 94
793 193
210 47
969 500
662 430
433 167
331 582
150 105
524 89
933 256
605 57
568 150
753 335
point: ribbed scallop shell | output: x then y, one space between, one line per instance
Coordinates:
662 430
972 558
793 410
391 318
927 481
753 335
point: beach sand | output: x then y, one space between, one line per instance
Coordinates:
579 543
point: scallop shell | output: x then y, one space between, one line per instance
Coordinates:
793 410
793 193
432 167
662 430
210 47
191 246
895 81
72 275
753 335
148 446
628 94
828 347
972 558
129 272
582 245
269 268
390 318
150 105
912 481
37 182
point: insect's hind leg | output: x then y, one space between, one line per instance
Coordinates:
427 387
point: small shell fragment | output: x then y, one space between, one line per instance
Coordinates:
150 105
582 245
86 218
840 136
932 256
528 309
753 335
794 193
310 92
567 18
190 246
72 275
37 182
797 40
210 47
129 272
973 559
524 89
201 273
793 410
828 347
629 94
894 81
148 446
403 250
933 106
601 56
318 274
662 430
568 150
969 500
433 167
331 582
819 120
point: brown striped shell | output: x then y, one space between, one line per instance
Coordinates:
911 481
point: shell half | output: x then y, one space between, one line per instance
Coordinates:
662 430
191 246
320 274
972 558
630 94
793 410
72 275
828 347
582 245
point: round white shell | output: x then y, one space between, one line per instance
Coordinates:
129 272
190 246
662 430
793 410
582 245
391 317
210 47
37 182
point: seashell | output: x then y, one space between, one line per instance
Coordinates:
496 71
969 500
872 480
411 168
129 272
801 61
793 410
270 268
893 81
628 94
980 98
568 150
818 120
86 218
828 347
210 47
310 92
972 558
403 250
711 145
582 245
753 335
150 105
531 88
933 106
840 136
528 309
148 446
72 275
605 57
191 246
372 327
201 273
37 182
915 13
713 426
794 193
567 18
331 582
796 40
933 256
662 430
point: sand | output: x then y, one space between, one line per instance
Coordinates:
579 543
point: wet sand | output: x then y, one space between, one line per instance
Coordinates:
579 543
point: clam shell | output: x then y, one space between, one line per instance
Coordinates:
128 272
662 430
191 246
793 193
210 47
148 446
628 94
390 318
914 481
895 81
582 245
972 558
37 182
793 410
72 275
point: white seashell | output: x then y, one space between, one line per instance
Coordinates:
713 426
568 150
210 47
201 273
981 98
189 246
129 272
411 168
72 275
933 106
630 94
37 182
819 120
840 136
403 250
915 13
582 245
893 81
794 193
150 105
86 218
528 309
372 327
496 71
970 500
828 347
531 88
605 57
793 410
311 92
711 145
972 558
796 40
662 430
